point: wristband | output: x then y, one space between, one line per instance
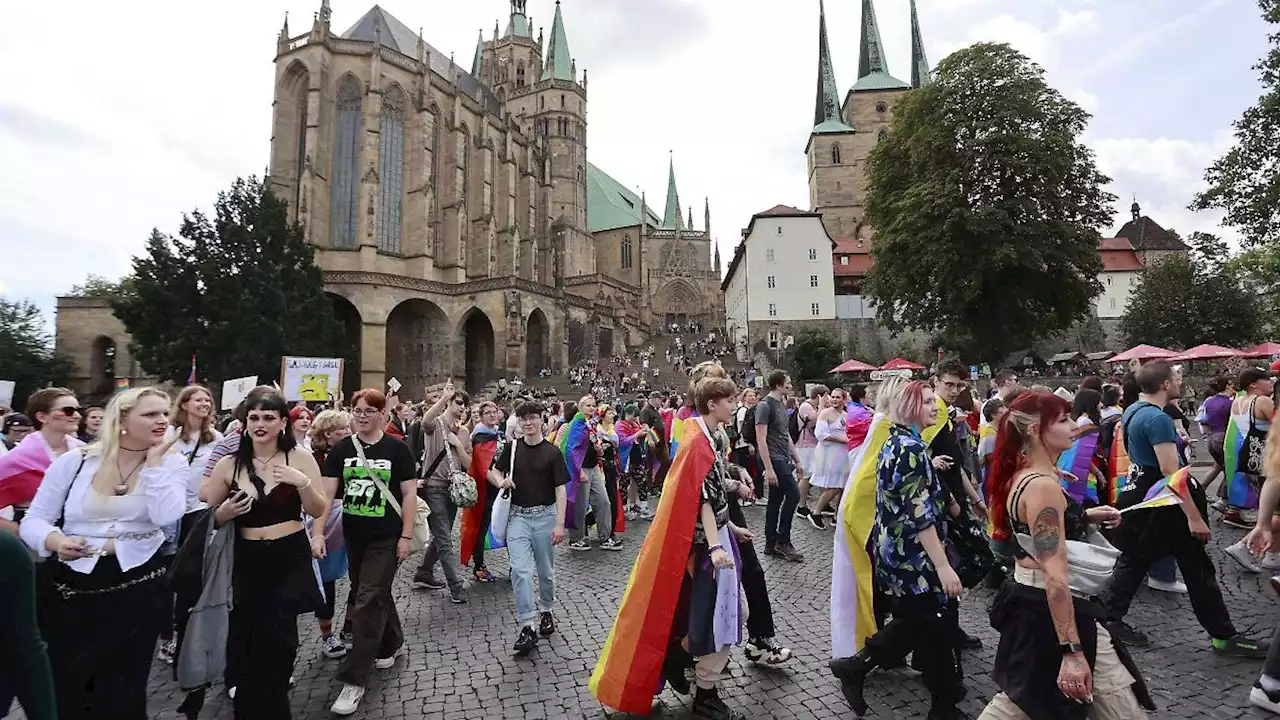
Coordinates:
715 547
405 537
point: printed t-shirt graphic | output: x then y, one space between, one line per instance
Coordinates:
361 496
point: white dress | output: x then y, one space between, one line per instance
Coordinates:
830 459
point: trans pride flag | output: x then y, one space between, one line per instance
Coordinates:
1078 460
484 446
573 439
22 469
853 617
1240 492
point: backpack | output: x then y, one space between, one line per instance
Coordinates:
747 428
793 425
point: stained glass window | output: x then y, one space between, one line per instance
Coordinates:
390 169
346 156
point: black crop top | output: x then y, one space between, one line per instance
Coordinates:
282 504
1076 524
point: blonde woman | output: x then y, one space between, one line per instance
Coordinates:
104 598
328 429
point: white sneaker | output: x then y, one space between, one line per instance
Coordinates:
386 662
348 700
1241 555
1177 587
1270 561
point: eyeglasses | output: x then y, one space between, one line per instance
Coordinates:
954 385
68 411
365 412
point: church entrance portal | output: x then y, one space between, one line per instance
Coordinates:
478 349
418 349
537 342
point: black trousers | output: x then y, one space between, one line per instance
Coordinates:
760 620
490 495
375 624
1150 535
611 489
744 458
929 630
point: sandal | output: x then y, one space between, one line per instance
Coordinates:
484 576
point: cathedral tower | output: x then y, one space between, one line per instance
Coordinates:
832 172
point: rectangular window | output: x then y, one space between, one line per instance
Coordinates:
773 339
813 254
1108 281
844 259
773 310
768 255
1113 303
814 307
773 282
813 281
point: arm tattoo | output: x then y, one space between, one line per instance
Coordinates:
1047 532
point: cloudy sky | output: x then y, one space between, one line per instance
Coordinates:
148 108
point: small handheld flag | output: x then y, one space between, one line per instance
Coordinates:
191 379
1168 491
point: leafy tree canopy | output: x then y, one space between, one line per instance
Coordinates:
1259 268
813 354
1245 183
986 207
239 290
26 351
97 286
1184 300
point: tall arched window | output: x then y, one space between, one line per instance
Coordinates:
626 252
520 75
346 156
390 169
835 154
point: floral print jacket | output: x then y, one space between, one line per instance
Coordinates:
909 500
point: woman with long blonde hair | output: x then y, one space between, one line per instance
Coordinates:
104 597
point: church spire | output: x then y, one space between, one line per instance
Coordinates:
921 75
826 110
518 25
671 218
559 61
873 67
478 61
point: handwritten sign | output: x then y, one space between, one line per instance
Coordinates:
310 379
6 392
233 391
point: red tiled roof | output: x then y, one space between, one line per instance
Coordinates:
859 264
777 210
1120 260
849 246
1115 243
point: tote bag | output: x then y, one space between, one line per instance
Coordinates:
502 507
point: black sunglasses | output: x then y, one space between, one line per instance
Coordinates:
68 411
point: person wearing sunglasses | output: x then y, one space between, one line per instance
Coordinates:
55 415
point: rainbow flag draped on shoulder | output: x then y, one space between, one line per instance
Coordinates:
1118 466
484 446
678 425
572 440
1079 460
853 618
627 673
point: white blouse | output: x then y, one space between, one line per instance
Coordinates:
133 521
195 458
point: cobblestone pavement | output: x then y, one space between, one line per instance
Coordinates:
459 662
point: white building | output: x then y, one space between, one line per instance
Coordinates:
1121 270
780 278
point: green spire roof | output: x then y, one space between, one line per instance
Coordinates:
476 62
826 111
518 25
920 72
873 68
671 218
559 61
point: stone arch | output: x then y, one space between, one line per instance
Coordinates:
577 337
348 317
418 351
478 348
678 301
537 337
102 366
292 96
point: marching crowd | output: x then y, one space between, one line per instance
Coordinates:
143 529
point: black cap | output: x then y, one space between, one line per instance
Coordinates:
15 420
657 394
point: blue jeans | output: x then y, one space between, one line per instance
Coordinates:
1164 570
529 547
783 499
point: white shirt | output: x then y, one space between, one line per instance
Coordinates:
157 501
195 465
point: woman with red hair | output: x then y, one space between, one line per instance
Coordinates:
1055 658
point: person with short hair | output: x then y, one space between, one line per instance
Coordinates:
781 464
441 448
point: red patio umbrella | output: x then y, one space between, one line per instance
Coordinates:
850 366
1266 349
900 364
1143 352
1205 352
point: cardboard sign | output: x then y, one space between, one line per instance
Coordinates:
394 385
310 379
6 392
233 391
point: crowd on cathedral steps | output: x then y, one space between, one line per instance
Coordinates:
151 530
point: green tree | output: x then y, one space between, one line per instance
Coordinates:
1244 182
26 351
813 353
239 291
97 286
1259 270
986 207
1186 299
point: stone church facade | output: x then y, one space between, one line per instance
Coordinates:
460 227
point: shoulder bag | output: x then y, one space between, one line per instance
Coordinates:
502 506
421 531
462 487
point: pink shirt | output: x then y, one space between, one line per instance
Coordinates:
808 419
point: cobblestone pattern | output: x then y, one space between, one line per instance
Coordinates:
459 665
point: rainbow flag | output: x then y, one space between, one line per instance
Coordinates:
484 446
191 379
1168 491
627 674
678 425
1078 461
1240 492
122 384
986 448
572 440
1118 466
853 617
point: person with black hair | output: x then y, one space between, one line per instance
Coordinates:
781 466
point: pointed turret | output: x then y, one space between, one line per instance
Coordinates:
671 218
326 14
717 259
518 25
873 68
706 218
921 75
690 225
826 111
478 60
559 61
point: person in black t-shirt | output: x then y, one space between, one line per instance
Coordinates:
536 477
650 416
377 538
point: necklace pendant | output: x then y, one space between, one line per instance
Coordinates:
122 488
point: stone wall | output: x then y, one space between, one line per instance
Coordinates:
90 335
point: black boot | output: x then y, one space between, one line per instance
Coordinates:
707 704
673 667
947 711
852 674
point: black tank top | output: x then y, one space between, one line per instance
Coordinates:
282 504
1075 524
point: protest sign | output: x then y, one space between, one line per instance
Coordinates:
310 379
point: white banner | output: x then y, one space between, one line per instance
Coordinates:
233 391
310 379
878 375
6 392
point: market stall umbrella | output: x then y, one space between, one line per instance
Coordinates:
900 364
1065 356
850 366
1266 349
1205 352
1143 352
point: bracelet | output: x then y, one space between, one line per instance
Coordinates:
405 537
304 487
715 547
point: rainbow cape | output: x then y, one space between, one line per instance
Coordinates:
986 448
857 423
1078 461
1118 466
626 443
853 618
610 433
1240 492
627 673
1168 491
484 446
572 440
22 469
